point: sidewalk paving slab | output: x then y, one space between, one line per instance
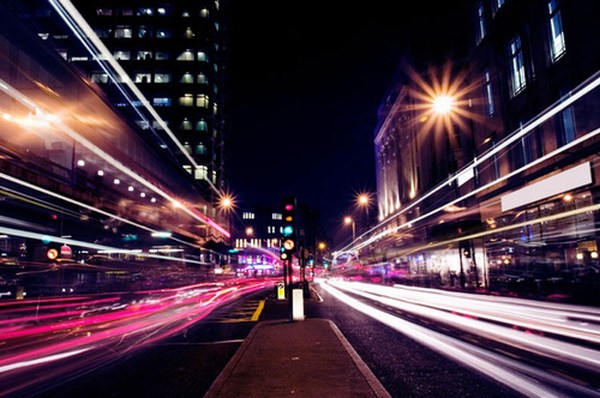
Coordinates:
308 358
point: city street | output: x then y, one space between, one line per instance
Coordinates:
457 345
424 178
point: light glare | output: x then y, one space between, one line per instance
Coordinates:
443 104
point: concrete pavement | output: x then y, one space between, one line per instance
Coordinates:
305 358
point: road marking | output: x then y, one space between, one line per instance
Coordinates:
261 305
247 312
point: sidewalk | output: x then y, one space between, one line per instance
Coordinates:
308 358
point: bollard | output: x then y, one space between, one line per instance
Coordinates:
298 305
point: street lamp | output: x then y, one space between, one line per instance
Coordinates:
443 104
350 220
364 200
227 204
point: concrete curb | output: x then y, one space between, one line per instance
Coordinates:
226 373
373 382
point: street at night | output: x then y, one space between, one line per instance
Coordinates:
222 198
418 342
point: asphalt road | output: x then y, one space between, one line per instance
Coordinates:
405 368
183 366
186 365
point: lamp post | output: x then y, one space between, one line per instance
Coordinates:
350 220
227 204
364 200
443 107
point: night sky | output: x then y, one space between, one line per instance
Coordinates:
306 79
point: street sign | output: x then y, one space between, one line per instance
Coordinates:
280 291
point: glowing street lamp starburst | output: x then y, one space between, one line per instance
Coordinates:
226 202
443 104
363 199
442 101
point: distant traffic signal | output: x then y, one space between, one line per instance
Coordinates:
288 230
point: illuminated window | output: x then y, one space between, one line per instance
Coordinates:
215 108
557 36
202 101
276 216
489 97
122 55
123 32
187 55
161 101
200 149
480 22
201 78
100 78
186 100
201 173
517 66
144 124
202 125
202 56
144 31
186 125
144 11
204 13
187 78
162 78
248 215
566 127
143 55
188 34
164 34
498 4
143 78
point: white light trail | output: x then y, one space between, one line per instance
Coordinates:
100 52
90 245
63 128
449 308
442 310
446 346
440 209
38 361
567 100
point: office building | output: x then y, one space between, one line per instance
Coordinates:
175 54
499 190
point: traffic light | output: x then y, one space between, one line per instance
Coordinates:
288 229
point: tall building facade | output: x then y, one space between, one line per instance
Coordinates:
500 189
175 53
79 174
